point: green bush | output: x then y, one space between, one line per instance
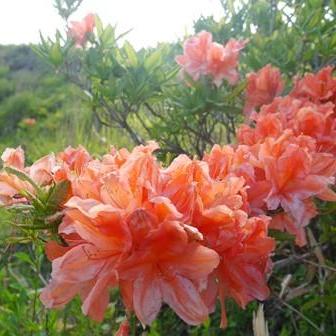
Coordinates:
6 89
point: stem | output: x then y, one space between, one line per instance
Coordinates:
301 315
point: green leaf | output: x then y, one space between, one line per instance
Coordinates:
99 26
153 60
23 176
55 54
4 256
58 195
327 300
131 54
33 227
24 257
107 37
24 207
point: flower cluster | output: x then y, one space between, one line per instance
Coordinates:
80 30
290 145
11 186
203 57
175 235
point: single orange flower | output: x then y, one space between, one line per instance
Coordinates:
262 88
79 30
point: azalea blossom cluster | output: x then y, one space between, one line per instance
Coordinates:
289 143
175 235
286 148
203 57
12 186
79 31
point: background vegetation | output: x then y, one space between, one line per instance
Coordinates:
294 35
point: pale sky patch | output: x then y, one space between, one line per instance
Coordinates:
152 21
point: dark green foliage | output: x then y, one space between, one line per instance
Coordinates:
295 35
19 58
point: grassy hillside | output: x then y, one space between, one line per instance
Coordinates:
40 111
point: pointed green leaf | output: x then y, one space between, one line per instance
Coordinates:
99 26
58 195
153 60
131 55
55 54
23 176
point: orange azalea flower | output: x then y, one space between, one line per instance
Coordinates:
115 158
246 135
291 178
134 234
319 88
222 61
262 88
79 30
42 170
13 158
74 165
74 158
77 166
166 267
29 121
227 160
285 222
10 189
91 246
98 240
242 276
194 59
302 117
11 186
217 209
82 270
203 57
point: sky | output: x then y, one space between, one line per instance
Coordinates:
151 21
